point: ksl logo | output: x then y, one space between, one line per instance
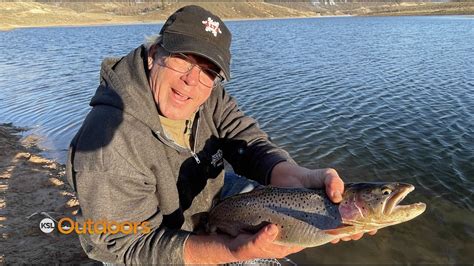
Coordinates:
47 225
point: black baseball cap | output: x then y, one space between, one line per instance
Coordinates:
195 30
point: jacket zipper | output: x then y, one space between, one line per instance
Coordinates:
196 158
193 153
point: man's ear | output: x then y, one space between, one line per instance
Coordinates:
151 56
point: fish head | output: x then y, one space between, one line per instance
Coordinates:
376 205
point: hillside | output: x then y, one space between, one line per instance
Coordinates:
35 14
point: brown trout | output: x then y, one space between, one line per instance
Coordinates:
307 217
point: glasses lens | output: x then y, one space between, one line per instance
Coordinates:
181 63
209 76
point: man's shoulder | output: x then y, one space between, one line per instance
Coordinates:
110 139
105 125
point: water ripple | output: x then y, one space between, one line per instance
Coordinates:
375 98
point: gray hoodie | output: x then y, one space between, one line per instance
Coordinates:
124 169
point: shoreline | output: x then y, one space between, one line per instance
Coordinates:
21 15
4 28
127 23
33 188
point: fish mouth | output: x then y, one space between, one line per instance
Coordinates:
401 192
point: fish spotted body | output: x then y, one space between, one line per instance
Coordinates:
308 218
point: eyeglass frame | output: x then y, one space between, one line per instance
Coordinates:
219 79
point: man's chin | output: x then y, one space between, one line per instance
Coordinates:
179 115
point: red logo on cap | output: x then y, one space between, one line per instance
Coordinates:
212 26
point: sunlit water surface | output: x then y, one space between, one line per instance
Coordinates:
379 99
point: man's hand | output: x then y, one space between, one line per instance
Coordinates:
353 237
286 174
260 245
220 249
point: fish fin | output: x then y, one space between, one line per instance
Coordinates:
255 228
341 230
231 230
200 222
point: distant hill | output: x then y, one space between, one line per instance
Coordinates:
47 13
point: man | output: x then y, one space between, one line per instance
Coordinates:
151 151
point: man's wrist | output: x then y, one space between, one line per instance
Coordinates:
287 174
203 249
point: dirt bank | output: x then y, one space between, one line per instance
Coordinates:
31 188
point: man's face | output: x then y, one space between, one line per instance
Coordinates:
178 95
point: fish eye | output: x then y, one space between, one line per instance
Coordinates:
386 191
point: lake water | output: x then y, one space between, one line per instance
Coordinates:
376 98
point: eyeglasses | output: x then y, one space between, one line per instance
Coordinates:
182 63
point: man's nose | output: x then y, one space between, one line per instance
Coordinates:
192 76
